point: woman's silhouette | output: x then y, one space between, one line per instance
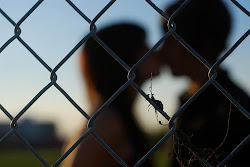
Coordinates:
116 125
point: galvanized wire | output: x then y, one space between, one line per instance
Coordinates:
131 77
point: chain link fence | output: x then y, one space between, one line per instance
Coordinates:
131 77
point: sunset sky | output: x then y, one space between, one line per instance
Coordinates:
54 28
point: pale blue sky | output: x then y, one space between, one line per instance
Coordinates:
54 28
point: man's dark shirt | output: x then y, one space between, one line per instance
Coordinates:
206 122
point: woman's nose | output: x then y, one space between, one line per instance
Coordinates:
162 56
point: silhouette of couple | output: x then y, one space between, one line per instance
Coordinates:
205 26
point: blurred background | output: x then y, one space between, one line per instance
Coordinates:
52 30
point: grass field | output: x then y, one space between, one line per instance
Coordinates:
25 158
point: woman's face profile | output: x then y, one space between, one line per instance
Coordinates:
151 65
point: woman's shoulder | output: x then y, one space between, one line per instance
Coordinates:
111 122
